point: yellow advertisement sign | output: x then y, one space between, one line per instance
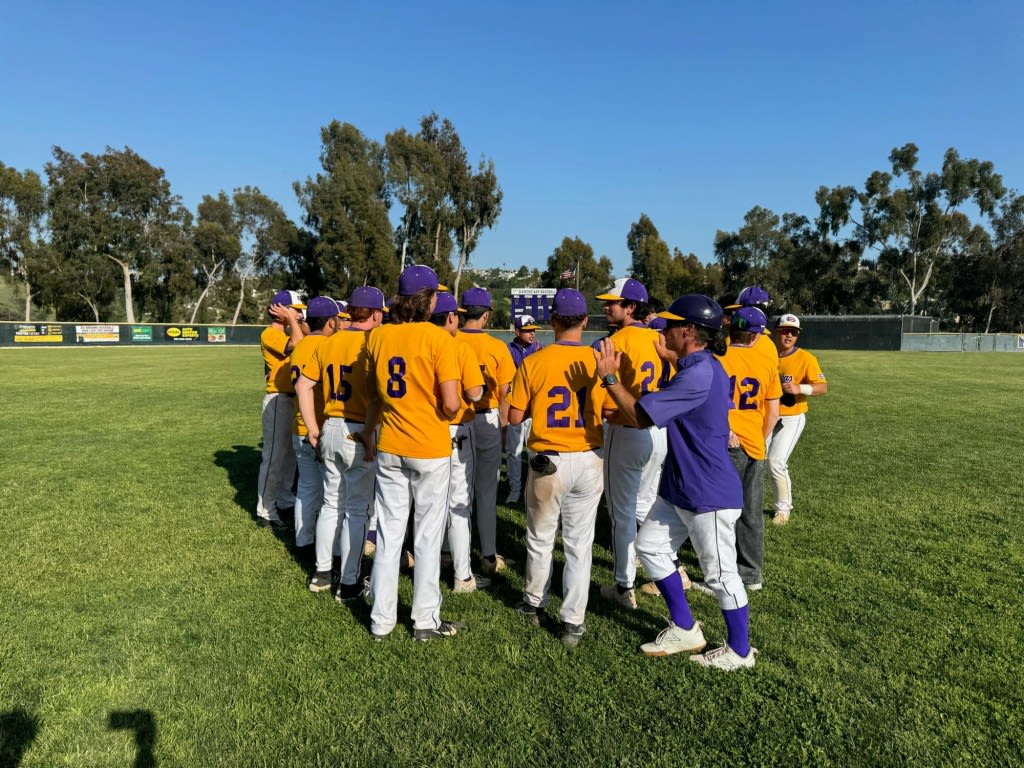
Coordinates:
38 334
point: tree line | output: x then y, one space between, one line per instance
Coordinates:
103 238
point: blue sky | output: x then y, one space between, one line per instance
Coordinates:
593 112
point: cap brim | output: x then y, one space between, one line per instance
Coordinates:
609 297
670 316
528 328
732 306
442 287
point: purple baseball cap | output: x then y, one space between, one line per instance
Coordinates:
367 297
625 289
289 299
657 324
750 296
476 297
343 309
569 302
446 303
417 277
749 319
322 306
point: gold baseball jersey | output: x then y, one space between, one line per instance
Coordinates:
641 369
341 366
559 389
471 376
752 381
408 362
273 345
764 345
302 361
800 367
495 361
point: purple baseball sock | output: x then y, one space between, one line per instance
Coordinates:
671 588
736 629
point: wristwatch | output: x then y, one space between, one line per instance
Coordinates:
609 380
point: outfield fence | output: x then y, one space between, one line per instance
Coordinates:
853 332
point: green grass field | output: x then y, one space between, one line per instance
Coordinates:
144 618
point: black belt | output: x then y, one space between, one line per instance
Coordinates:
484 410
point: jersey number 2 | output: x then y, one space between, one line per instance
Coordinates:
748 396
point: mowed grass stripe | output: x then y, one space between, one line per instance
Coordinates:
135 581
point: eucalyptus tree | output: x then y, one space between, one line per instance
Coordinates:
346 208
22 226
590 275
651 261
115 205
917 226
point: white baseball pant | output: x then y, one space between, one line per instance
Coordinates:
348 498
632 470
487 445
424 482
571 495
277 466
714 540
309 493
780 447
460 499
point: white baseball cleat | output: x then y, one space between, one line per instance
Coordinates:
472 584
675 639
725 658
626 599
780 518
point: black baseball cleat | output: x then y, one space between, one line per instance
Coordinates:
278 525
443 630
346 592
572 634
529 612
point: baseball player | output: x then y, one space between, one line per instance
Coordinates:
460 489
491 418
755 391
338 371
756 296
277 465
322 317
558 388
415 378
633 455
524 344
699 496
801 378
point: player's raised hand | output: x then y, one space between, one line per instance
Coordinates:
608 358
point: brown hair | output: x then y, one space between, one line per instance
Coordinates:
412 309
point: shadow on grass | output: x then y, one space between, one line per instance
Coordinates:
143 725
18 730
242 464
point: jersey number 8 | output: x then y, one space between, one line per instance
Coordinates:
396 377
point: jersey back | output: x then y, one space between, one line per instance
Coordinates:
559 389
341 367
753 380
495 362
470 375
408 362
273 346
301 361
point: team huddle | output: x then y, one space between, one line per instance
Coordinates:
390 409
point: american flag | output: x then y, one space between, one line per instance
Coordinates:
569 274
